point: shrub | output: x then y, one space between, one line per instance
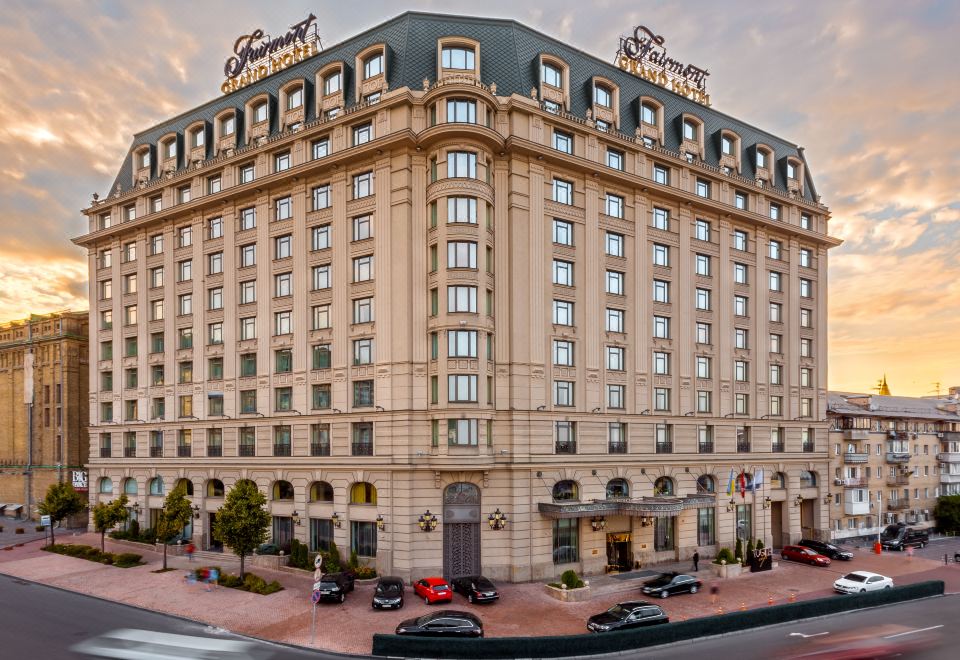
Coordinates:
759 544
365 573
133 529
570 579
40 528
299 557
749 555
724 555
230 580
250 582
18 530
1 528
127 559
354 562
739 551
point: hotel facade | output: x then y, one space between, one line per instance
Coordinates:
462 298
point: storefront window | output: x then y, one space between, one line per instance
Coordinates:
706 526
363 538
566 541
663 534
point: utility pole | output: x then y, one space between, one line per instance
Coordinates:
28 401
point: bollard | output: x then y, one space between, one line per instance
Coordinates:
743 606
720 609
770 600
793 597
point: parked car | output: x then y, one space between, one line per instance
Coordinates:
433 590
671 583
861 581
388 594
805 555
334 586
445 623
621 616
900 536
476 588
827 549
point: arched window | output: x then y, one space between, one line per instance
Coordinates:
294 97
282 490
744 481
259 112
106 485
706 484
650 113
663 486
566 491
618 488
130 486
808 479
363 492
321 491
156 486
214 488
187 484
778 480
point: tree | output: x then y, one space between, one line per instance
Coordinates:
174 516
947 513
107 515
243 520
61 502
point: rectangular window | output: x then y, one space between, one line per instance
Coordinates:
246 173
776 312
462 299
362 351
741 306
702 230
462 209
740 240
615 159
215 298
282 323
703 366
776 343
806 288
185 304
248 328
661 398
566 541
563 353
184 338
562 232
321 197
661 327
320 396
363 310
740 273
661 175
185 270
703 333
614 244
562 312
616 358
702 265
776 281
462 388
614 206
741 371
661 363
362 185
215 333
362 134
703 299
703 188
320 148
321 277
806 347
321 317
562 141
562 272
806 318
661 291
661 219
215 263
615 320
461 164
615 282
616 396
562 192
775 211
706 526
320 237
462 343
283 247
563 393
461 254
320 354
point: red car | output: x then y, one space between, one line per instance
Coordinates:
805 555
433 590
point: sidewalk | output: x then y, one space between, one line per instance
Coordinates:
523 608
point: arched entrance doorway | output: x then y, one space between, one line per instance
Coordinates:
461 530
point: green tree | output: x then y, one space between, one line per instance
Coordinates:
243 520
106 515
174 516
947 513
61 502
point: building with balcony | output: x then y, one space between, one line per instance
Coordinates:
887 460
455 265
44 381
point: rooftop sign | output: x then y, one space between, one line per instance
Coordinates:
645 56
257 55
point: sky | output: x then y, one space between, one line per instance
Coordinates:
868 88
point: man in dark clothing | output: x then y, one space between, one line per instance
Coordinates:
696 561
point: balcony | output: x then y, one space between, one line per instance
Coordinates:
949 457
743 447
183 451
105 452
898 505
777 447
248 450
898 457
214 450
856 434
564 447
319 449
852 482
129 452
281 449
617 447
156 451
856 457
950 478
705 448
851 508
808 447
899 480
664 447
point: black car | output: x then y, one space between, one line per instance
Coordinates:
476 588
445 623
899 536
827 549
334 586
671 583
388 594
627 615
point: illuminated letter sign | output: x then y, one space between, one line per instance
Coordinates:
645 56
244 66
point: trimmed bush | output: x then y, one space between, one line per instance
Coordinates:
123 560
739 551
365 573
759 544
250 582
724 555
570 579
354 562
749 554
127 559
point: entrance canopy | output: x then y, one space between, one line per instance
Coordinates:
643 506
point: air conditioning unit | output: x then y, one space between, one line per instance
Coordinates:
891 434
939 435
838 482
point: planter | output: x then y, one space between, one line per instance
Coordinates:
372 580
726 570
569 595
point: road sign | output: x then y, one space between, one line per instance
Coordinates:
318 561
316 585
315 598
45 521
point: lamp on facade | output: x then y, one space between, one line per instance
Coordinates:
136 508
646 521
767 502
827 498
598 523
381 524
798 500
427 521
731 505
196 511
497 519
335 519
296 518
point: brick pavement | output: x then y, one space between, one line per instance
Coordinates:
524 608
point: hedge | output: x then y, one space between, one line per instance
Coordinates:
613 642
121 560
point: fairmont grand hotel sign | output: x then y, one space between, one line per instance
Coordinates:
645 56
256 55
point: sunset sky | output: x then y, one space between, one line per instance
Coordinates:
869 89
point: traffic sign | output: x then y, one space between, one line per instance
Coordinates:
45 521
316 585
315 598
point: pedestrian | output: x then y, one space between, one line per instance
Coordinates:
910 552
212 578
191 548
714 593
696 561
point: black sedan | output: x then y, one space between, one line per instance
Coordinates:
388 594
827 549
445 623
671 583
334 586
476 588
621 616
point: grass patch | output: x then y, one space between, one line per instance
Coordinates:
120 560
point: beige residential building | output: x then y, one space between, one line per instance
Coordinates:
44 379
407 294
891 457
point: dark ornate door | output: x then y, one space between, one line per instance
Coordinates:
461 530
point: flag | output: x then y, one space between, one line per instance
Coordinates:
743 486
758 480
731 488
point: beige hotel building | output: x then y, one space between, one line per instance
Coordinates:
453 265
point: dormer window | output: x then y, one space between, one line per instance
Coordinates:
295 98
170 149
144 159
551 75
761 158
332 83
726 146
260 112
458 57
602 96
689 131
228 125
373 66
197 138
648 114
791 171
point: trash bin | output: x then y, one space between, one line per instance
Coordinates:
877 547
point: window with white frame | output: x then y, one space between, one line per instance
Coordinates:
615 320
661 219
661 291
563 353
462 299
562 312
562 192
562 232
615 282
613 244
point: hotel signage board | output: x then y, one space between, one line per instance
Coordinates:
644 55
257 55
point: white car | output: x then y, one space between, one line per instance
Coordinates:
861 581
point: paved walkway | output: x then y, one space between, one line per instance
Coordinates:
524 608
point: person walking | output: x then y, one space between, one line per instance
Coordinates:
696 561
191 548
714 593
212 578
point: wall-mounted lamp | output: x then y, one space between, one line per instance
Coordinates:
136 508
541 407
497 519
296 518
381 523
731 505
646 521
798 500
598 523
764 416
336 410
596 410
767 502
196 511
380 409
689 414
827 498
427 521
335 519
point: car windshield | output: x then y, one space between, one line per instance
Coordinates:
483 583
389 589
425 619
440 586
891 532
855 577
619 612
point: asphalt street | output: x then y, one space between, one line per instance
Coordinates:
37 621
